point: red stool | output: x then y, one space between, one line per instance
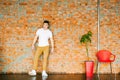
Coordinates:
105 56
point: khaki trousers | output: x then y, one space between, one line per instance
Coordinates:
38 53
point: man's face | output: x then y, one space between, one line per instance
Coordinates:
45 25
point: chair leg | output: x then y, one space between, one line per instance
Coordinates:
115 76
98 65
111 69
97 70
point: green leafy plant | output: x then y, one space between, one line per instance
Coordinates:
85 39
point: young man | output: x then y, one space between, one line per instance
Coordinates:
43 35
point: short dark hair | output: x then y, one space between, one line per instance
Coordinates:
46 21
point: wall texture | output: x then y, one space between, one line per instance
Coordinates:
19 20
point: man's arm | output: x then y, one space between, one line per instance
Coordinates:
52 44
34 41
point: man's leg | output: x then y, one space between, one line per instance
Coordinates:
45 60
37 55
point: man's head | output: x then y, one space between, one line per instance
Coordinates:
46 24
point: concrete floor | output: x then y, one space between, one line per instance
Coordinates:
57 77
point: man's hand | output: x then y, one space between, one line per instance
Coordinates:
33 47
52 50
33 44
33 50
52 45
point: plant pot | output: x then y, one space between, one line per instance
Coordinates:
89 69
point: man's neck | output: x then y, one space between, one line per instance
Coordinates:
45 28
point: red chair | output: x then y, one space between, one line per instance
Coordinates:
105 56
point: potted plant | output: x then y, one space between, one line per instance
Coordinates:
86 39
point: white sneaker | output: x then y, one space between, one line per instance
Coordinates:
44 73
32 73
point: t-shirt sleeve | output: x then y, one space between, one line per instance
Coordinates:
37 33
50 34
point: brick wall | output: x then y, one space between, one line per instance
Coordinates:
70 19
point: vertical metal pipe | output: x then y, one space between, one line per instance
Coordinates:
98 33
98 28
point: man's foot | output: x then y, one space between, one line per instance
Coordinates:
44 73
32 73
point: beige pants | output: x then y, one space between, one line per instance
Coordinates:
38 53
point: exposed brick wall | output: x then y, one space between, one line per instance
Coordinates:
110 31
69 19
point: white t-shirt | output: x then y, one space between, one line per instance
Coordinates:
43 37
